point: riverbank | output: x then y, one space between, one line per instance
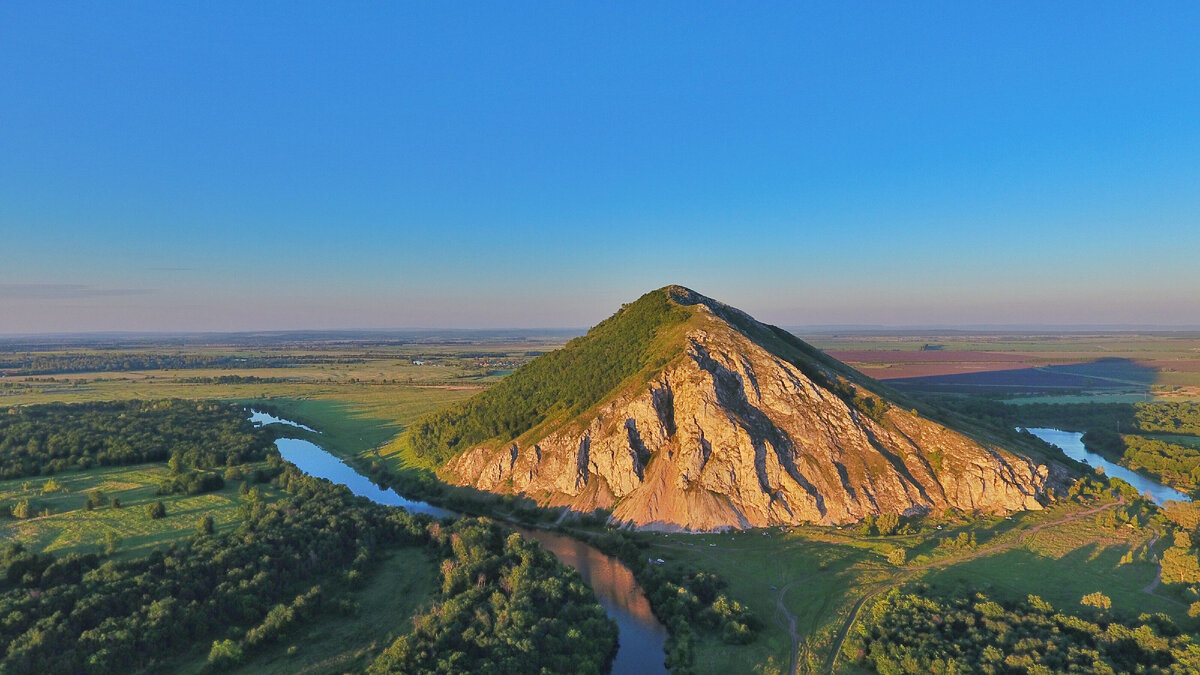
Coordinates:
642 637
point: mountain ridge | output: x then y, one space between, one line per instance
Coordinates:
714 420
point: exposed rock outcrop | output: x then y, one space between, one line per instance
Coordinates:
736 434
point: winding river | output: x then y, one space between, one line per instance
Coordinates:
642 636
1071 443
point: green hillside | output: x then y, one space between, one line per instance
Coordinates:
634 343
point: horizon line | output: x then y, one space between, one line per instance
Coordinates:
813 328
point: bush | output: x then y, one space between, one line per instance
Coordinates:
224 653
1098 600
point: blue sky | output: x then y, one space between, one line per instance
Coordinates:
208 166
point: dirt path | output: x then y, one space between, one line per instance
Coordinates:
831 658
1150 587
791 625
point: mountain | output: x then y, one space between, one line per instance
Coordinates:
680 412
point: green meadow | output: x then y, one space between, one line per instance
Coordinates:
812 580
71 528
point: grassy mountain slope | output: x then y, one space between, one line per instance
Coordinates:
632 344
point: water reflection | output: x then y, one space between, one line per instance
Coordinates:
642 636
315 461
1071 443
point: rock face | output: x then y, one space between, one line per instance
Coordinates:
732 434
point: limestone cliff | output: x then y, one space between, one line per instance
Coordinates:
746 426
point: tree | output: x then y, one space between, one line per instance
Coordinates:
156 510
206 525
111 542
1183 539
887 523
897 556
95 499
1097 600
224 653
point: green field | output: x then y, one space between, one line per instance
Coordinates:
70 528
1179 439
814 578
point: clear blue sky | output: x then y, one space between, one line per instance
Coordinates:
183 166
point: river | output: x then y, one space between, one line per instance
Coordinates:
260 418
1071 443
642 636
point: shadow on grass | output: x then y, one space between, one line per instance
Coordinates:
1107 374
1017 573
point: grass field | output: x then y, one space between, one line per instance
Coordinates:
1178 439
814 578
1064 564
70 528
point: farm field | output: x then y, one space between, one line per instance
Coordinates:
1119 367
396 383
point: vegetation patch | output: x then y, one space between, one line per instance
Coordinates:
227 595
917 633
560 384
47 439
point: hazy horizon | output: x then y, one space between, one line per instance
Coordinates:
226 167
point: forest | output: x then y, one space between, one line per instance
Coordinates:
47 439
508 608
227 594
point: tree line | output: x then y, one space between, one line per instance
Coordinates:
922 633
47 439
690 602
34 363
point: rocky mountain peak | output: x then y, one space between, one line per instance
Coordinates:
722 421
